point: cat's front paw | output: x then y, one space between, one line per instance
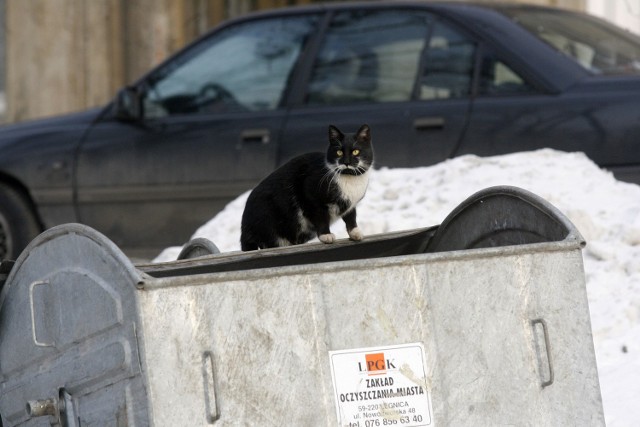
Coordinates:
356 234
327 238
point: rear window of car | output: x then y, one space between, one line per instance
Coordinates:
599 47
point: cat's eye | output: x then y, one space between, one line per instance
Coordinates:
355 152
339 153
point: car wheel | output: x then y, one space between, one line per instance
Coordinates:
18 224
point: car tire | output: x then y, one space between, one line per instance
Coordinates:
18 224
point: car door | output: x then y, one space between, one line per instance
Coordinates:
513 111
386 67
211 124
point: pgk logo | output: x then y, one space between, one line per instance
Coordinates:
376 364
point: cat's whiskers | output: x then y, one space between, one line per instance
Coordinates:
361 170
334 176
332 173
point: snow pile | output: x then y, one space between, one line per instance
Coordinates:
606 211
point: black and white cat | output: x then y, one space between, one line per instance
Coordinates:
302 198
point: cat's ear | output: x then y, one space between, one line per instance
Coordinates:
364 134
335 136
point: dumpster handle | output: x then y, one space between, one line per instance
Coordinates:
33 314
547 345
211 404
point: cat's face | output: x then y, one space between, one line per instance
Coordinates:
350 154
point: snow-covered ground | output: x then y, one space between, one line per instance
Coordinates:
606 211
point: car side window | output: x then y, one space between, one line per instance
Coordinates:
244 68
369 56
497 78
448 65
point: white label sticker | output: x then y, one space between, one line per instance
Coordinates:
381 386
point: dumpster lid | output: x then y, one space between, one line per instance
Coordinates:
502 216
493 217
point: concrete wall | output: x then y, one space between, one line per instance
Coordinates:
61 55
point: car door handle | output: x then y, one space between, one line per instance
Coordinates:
423 123
261 136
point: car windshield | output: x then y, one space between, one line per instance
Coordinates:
598 46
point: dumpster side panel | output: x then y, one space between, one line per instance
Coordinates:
492 361
256 348
236 351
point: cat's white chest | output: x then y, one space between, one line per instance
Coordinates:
353 187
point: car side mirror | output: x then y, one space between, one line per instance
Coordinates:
128 104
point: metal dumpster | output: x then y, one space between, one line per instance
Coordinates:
482 320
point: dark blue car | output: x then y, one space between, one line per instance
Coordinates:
433 80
